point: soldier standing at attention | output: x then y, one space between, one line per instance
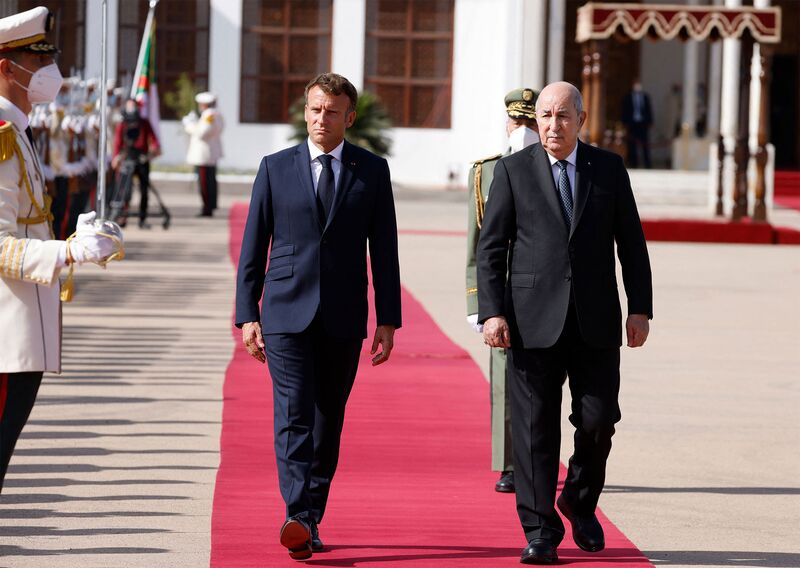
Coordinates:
30 258
205 148
521 130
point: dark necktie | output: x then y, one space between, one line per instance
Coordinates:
325 187
29 133
565 191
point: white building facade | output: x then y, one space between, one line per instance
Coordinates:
454 62
496 47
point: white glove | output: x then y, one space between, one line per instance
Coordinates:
86 222
90 247
472 320
190 118
87 245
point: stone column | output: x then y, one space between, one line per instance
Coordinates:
729 108
348 38
689 114
759 109
555 40
534 44
94 31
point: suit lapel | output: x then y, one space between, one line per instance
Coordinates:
346 179
583 177
302 164
543 173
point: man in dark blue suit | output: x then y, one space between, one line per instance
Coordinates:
314 211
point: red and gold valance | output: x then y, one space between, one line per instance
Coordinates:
600 20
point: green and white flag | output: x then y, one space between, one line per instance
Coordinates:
144 88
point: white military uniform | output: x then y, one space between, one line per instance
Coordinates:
30 307
205 138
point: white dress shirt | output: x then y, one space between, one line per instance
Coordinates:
556 170
316 165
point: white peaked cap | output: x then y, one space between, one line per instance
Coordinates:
205 98
27 31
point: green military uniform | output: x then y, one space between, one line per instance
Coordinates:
519 104
480 179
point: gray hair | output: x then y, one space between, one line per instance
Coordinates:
577 98
574 95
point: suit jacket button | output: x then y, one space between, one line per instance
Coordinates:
568 277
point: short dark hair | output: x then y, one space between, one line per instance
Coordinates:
13 54
528 121
334 84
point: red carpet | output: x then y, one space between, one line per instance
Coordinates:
413 488
686 230
698 231
787 189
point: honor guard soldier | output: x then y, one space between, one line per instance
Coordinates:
30 258
205 148
521 131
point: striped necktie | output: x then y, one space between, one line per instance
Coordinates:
565 191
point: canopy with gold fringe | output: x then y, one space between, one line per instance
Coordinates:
601 20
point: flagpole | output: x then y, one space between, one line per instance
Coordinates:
140 59
101 151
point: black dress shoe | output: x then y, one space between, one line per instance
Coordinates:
506 482
539 551
316 542
587 532
296 536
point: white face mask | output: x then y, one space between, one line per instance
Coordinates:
44 85
522 137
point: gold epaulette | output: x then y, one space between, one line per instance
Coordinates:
8 139
479 201
487 159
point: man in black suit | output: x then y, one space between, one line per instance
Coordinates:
318 205
637 115
547 290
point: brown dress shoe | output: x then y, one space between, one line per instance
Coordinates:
296 536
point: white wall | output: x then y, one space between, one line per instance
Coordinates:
349 23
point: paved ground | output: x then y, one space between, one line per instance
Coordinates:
117 465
